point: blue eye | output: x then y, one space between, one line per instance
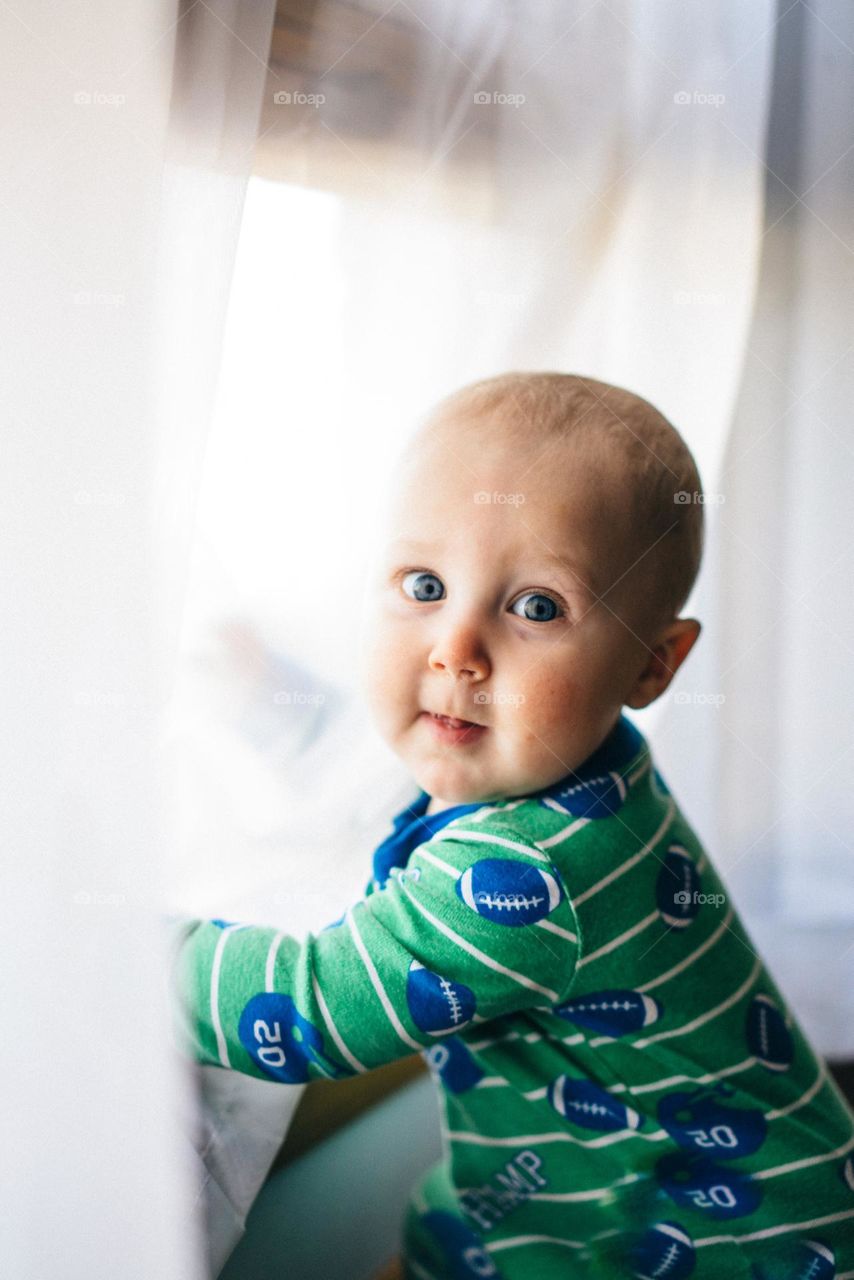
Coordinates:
537 607
422 586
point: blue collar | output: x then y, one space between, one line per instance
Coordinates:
412 826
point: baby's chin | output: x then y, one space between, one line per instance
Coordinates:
447 790
448 787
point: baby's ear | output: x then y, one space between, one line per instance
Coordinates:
666 655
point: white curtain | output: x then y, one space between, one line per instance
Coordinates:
778 607
604 224
98 1177
601 212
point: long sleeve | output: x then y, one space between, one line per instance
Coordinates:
477 926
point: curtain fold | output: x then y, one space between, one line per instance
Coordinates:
102 446
85 1187
221 67
782 618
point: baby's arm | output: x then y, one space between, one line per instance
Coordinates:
477 926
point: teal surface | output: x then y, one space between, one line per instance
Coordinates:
337 1211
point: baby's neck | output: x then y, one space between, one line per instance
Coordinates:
436 805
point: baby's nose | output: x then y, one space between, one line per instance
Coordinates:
460 653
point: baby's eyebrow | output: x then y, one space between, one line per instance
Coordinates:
582 578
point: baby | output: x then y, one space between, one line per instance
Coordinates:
624 1091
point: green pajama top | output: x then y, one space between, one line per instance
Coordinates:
624 1091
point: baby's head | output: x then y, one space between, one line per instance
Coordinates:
536 553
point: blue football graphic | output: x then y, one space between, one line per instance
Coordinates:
280 1040
768 1037
699 1122
463 1250
590 1106
812 1260
698 1183
223 924
599 797
806 1260
454 1064
438 1006
677 887
509 892
611 1013
665 1252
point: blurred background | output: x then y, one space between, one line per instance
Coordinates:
248 244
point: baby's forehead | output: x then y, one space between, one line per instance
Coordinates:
515 463
526 491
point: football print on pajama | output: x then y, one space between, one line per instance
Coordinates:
623 1090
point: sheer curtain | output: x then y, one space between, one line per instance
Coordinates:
98 1174
572 186
442 192
781 621
600 212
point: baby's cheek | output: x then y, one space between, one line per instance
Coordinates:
549 699
380 670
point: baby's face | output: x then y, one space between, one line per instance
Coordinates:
483 608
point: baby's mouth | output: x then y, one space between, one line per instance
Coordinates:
453 730
453 722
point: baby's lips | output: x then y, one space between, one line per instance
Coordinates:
455 722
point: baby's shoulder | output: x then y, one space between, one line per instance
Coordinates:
579 829
608 808
523 831
507 824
